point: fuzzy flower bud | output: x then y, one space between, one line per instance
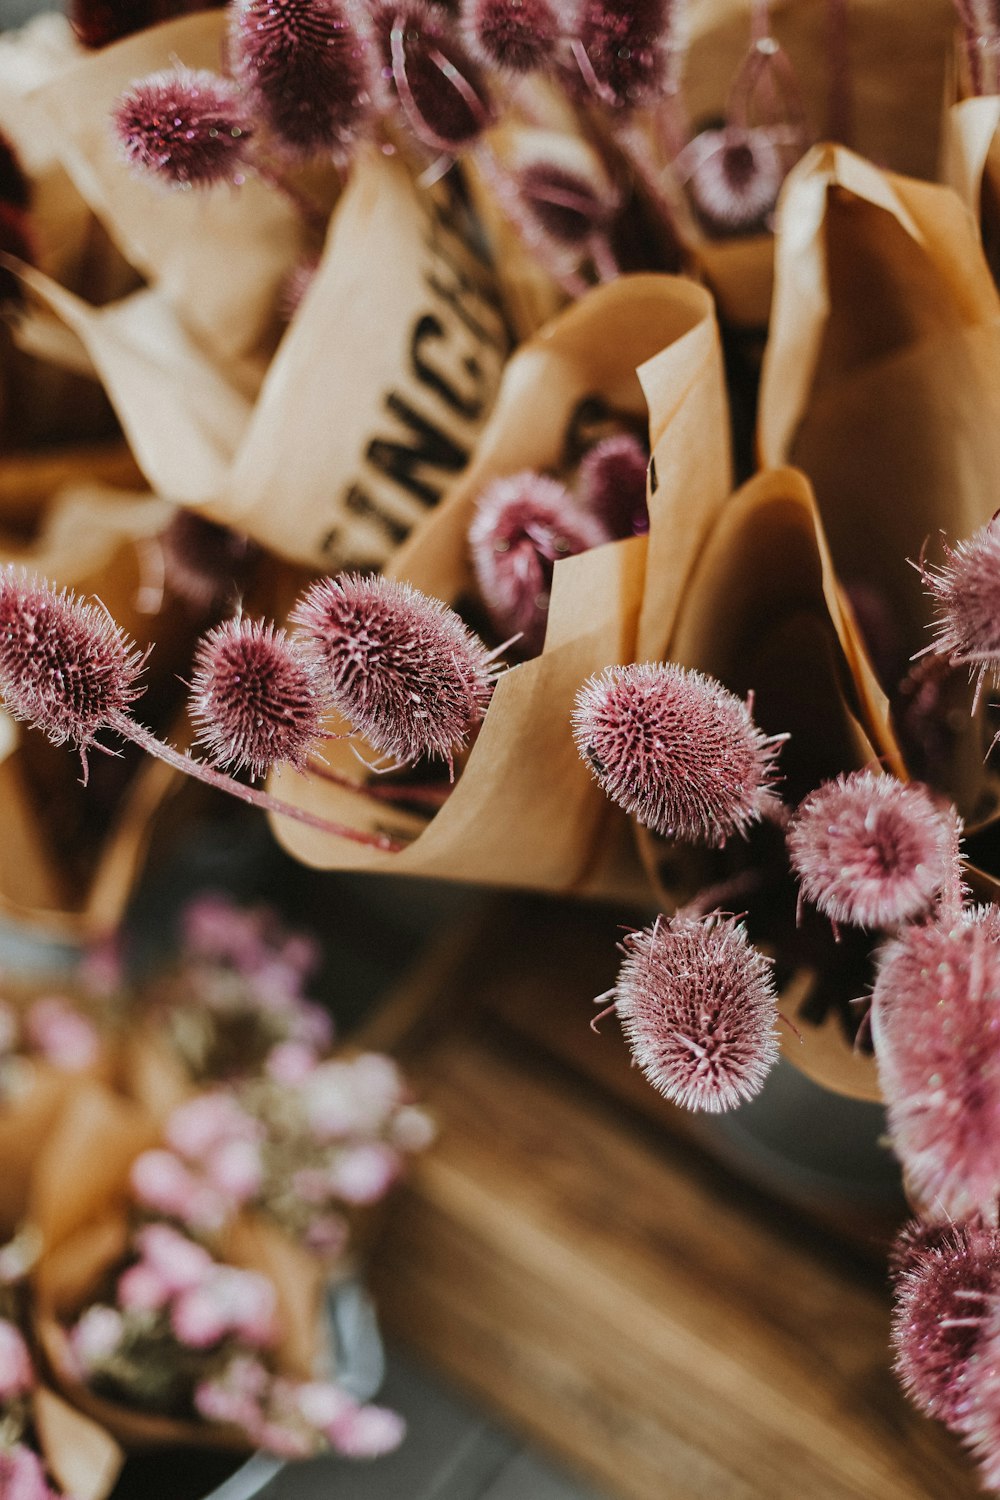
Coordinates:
624 50
871 851
440 89
697 1004
735 177
613 484
568 207
522 526
677 750
401 666
186 126
965 592
516 35
17 1378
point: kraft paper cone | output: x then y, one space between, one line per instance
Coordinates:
763 614
82 1458
525 810
882 382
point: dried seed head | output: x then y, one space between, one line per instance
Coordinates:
205 563
932 1354
568 207
676 750
870 851
698 1006
309 68
186 126
401 666
735 177
965 592
518 35
257 699
625 50
440 89
613 483
522 526
936 1029
978 1414
66 668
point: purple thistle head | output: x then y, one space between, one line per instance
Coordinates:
936 1029
568 207
937 1280
735 176
186 126
309 68
441 91
517 35
965 592
613 483
204 563
624 50
257 698
697 1004
402 667
871 851
676 750
978 1416
522 526
66 668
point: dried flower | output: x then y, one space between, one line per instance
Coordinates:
613 483
22 1475
567 206
522 526
257 698
402 667
517 35
64 1037
978 1418
309 70
65 666
735 176
677 750
698 1005
187 126
871 851
440 89
228 1301
17 1378
936 1029
965 592
204 563
624 50
97 1337
935 1296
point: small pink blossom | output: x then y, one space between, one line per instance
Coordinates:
162 1182
365 1173
321 1403
199 1125
97 1337
142 1289
290 1063
63 1037
235 1169
412 1129
285 1440
367 1432
17 1378
236 1395
229 1301
177 1260
22 1476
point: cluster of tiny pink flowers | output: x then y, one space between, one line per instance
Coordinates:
51 1029
295 1419
211 1167
22 1472
22 1475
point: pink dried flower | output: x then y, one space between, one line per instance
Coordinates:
187 126
141 1288
257 698
568 207
936 1294
309 69
161 1181
624 50
63 1037
290 1063
677 750
367 1432
523 524
440 89
517 35
235 1169
735 176
235 1395
321 1403
936 1030
65 666
613 483
697 1004
97 1337
412 1129
402 667
22 1475
200 1124
17 1378
204 563
365 1173
177 1260
871 851
228 1301
978 1419
965 592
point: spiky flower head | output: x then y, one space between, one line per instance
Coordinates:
309 69
440 89
965 591
402 667
676 750
936 1030
697 1004
568 206
937 1280
613 483
871 851
624 50
517 35
978 1417
187 126
522 526
257 698
204 563
66 668
735 177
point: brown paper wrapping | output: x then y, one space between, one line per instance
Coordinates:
525 811
82 1458
882 382
762 613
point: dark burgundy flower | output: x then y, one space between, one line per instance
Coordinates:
186 126
518 35
624 50
613 483
441 91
